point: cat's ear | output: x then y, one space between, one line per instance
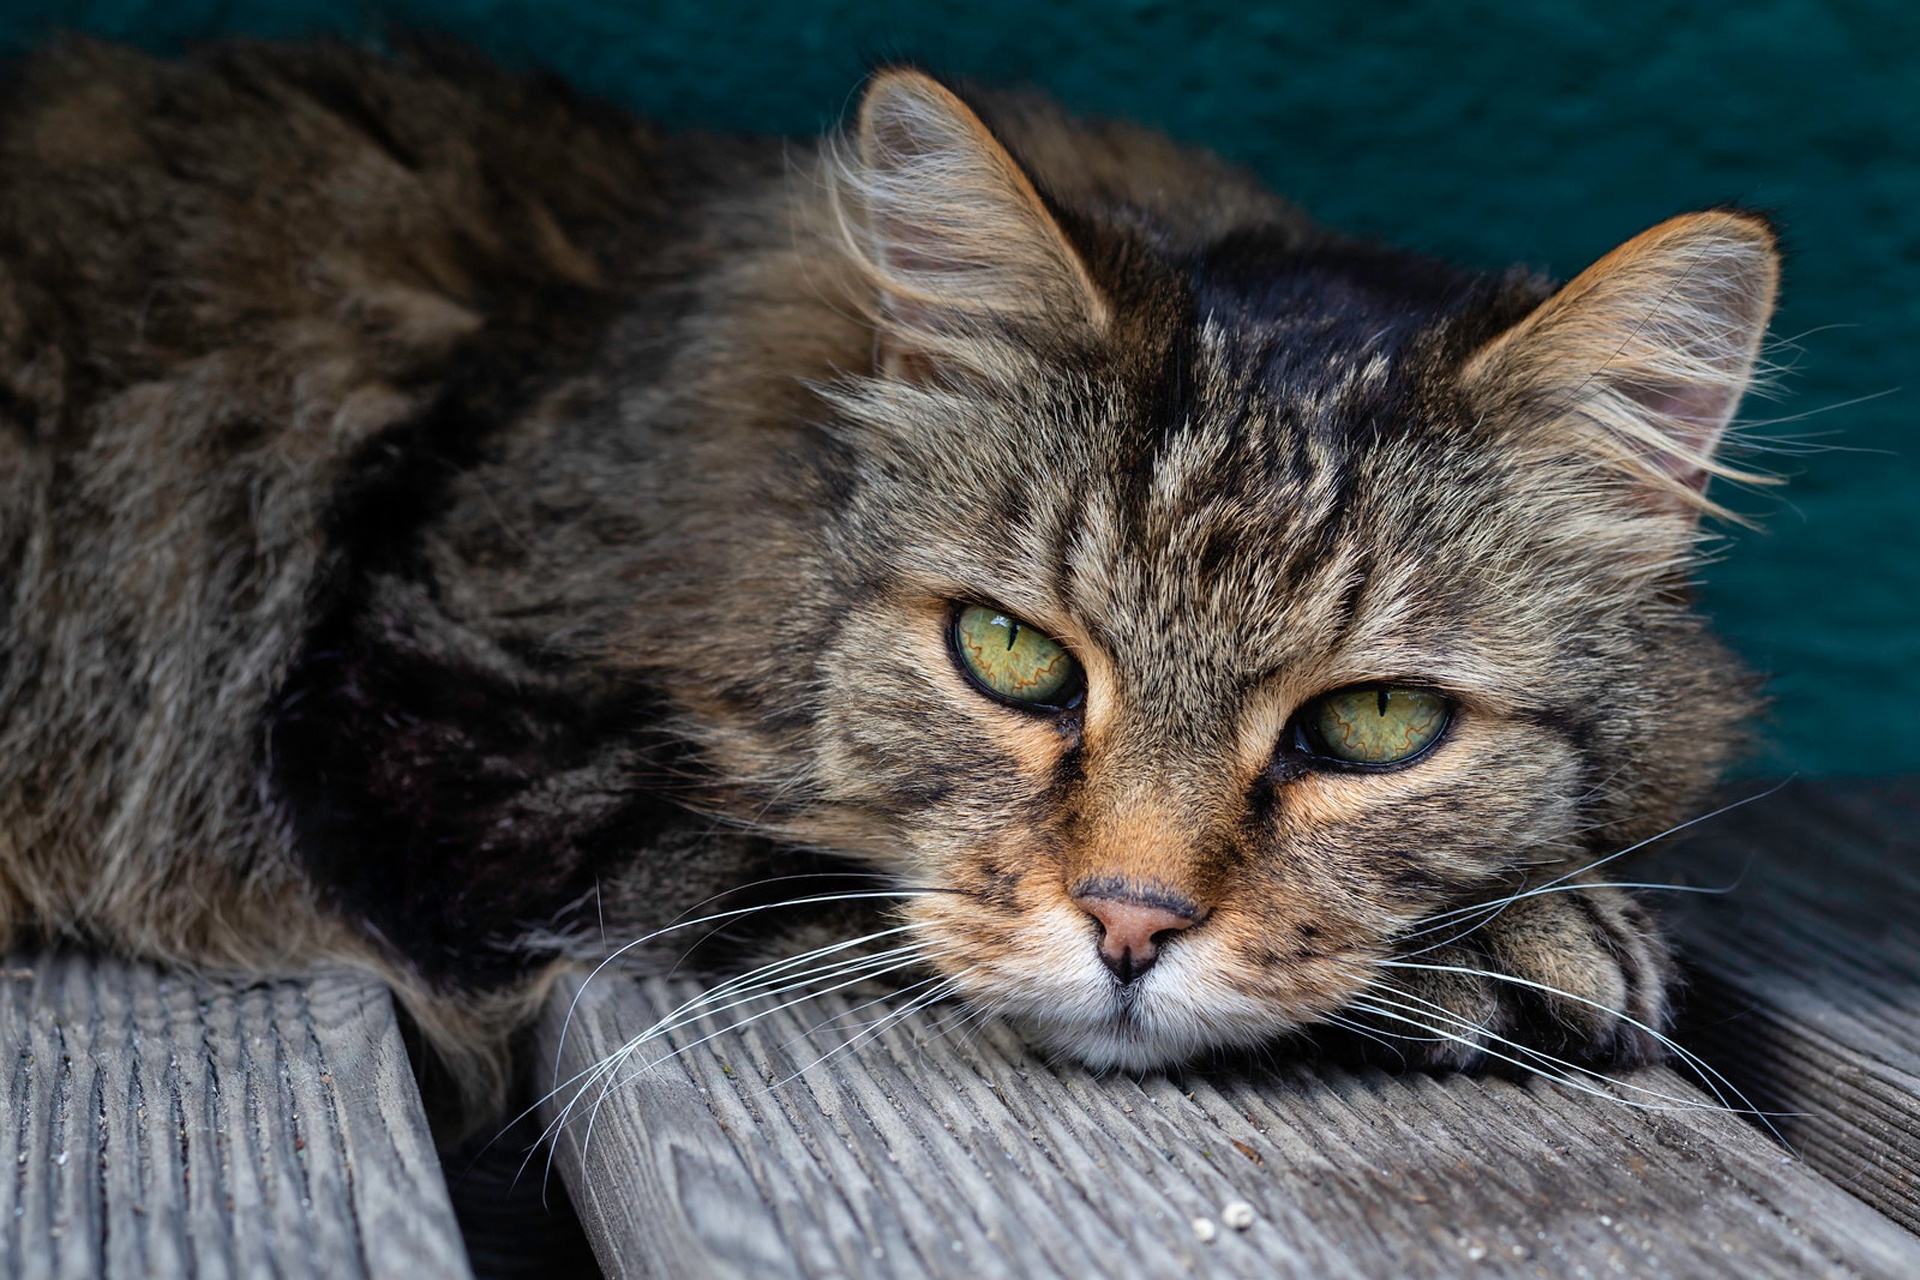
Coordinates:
953 233
1647 353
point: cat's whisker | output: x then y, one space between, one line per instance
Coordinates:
868 1004
1496 906
1440 921
739 992
566 1023
1685 1055
1533 1062
894 1018
585 1078
1711 1078
634 1045
854 1012
1480 1039
605 1077
782 977
1360 1029
1770 444
781 969
943 986
705 1005
961 1013
968 1020
1675 829
899 890
1492 909
1529 1056
1380 988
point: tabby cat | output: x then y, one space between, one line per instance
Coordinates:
452 527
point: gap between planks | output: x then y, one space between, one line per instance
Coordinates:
162 1125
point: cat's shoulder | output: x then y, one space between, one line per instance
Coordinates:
154 211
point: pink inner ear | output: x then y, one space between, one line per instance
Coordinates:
1696 415
913 249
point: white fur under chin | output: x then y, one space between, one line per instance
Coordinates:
1175 1013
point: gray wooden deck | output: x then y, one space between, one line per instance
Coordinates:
923 1152
1808 974
166 1126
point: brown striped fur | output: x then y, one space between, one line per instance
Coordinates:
446 525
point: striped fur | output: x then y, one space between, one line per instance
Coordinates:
451 527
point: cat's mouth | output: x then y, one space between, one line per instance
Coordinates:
1049 982
1147 1025
1180 1011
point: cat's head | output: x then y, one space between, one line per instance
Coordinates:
1193 611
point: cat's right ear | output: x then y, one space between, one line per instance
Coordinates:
955 238
1642 359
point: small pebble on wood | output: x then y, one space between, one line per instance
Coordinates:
1238 1214
1204 1229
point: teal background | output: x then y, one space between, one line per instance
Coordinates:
1488 132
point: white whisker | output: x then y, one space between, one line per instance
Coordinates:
943 987
605 1078
1711 1078
1558 1071
1441 920
779 971
566 1023
1495 907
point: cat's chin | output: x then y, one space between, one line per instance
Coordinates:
1115 1046
1141 1031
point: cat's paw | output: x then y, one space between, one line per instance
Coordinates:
1566 977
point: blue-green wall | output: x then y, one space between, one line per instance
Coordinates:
1488 132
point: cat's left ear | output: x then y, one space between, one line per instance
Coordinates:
1646 354
953 232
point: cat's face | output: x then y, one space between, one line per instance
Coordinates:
1216 575
1189 629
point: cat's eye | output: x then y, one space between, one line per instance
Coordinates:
1374 725
1013 661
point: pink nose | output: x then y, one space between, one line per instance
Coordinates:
1133 927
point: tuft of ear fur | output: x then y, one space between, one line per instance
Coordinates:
950 231
1646 354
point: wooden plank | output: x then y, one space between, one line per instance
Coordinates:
165 1126
1807 991
925 1151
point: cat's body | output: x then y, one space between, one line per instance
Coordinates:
447 526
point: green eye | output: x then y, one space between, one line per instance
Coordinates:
1374 725
1011 660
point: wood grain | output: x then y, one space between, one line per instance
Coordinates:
165 1126
1807 974
924 1151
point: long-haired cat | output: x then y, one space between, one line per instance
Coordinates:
453 527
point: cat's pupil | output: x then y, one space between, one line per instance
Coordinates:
1011 661
1386 725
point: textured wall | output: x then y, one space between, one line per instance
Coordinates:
1487 132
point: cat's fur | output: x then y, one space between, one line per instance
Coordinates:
444 524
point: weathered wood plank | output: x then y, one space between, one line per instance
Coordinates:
923 1152
166 1126
1808 990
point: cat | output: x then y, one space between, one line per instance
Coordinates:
456 529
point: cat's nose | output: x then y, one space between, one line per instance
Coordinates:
1133 927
